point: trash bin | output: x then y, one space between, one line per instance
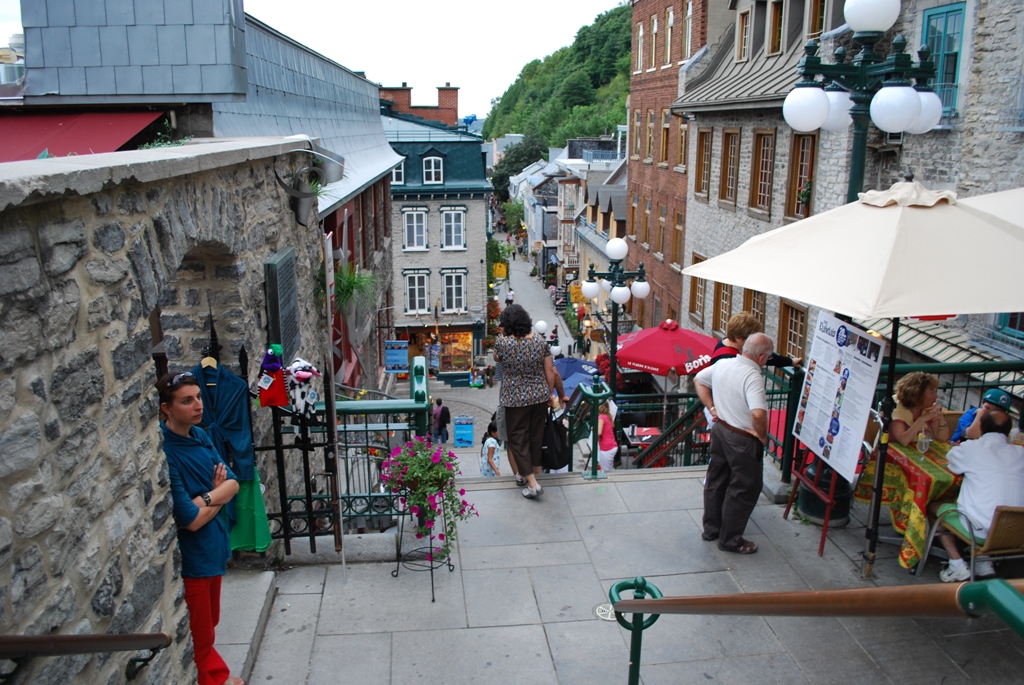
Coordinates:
813 509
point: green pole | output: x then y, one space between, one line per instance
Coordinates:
994 597
860 112
641 589
594 396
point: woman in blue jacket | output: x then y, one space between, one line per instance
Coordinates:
201 484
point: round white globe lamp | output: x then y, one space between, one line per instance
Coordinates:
805 109
839 104
871 15
894 109
590 289
640 289
620 294
541 327
931 112
556 350
616 249
606 285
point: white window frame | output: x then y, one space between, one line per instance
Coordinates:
687 34
450 214
414 244
654 43
421 282
433 171
453 290
398 174
639 47
744 34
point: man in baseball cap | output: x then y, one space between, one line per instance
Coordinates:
969 425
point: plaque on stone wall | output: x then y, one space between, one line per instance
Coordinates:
282 301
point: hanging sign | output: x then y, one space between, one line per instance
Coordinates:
396 356
838 391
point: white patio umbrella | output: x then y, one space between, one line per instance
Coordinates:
906 251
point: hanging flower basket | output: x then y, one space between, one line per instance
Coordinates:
424 476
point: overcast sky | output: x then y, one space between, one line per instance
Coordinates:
478 46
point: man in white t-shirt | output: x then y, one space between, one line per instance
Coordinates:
993 471
733 391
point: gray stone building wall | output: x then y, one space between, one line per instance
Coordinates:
90 251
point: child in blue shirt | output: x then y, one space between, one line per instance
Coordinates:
489 458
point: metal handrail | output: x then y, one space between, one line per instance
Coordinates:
20 648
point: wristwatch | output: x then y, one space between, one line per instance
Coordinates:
206 498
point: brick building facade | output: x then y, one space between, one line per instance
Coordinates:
446 111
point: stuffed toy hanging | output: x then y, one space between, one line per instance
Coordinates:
300 385
273 392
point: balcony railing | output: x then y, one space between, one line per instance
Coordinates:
1011 116
948 93
590 156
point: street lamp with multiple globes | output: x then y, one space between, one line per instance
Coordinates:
613 282
871 86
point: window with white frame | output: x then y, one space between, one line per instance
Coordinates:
687 27
654 41
670 20
454 298
639 46
433 170
453 228
398 174
743 36
416 293
415 230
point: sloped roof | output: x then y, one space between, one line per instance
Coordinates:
400 129
727 84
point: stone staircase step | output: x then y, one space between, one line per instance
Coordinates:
245 601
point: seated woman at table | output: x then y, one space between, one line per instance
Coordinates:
917 410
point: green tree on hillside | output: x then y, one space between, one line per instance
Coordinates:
515 159
578 90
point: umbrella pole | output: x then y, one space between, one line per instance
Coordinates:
885 411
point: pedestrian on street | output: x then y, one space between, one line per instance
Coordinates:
442 417
510 297
201 484
733 391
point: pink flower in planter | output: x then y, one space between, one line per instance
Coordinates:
430 557
415 510
462 491
430 524
440 536
419 536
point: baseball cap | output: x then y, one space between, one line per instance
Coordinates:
998 397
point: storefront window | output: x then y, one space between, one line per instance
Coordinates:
456 351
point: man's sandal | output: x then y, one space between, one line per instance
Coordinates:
745 547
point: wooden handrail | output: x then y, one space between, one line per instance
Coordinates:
918 601
26 646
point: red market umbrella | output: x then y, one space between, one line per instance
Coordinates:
659 350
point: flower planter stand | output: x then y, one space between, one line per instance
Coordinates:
419 559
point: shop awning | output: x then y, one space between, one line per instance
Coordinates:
24 136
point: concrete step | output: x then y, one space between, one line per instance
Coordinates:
245 601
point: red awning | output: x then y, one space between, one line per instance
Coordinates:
25 136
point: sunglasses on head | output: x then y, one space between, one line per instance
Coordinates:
179 378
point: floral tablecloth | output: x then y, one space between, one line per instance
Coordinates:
912 480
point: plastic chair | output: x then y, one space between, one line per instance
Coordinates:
1005 538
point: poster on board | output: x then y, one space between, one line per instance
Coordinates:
838 391
396 356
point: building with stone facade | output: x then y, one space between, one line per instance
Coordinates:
750 173
439 205
101 259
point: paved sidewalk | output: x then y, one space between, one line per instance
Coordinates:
519 606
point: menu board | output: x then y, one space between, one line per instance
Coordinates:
396 356
838 390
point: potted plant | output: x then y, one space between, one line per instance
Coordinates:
424 476
308 186
331 166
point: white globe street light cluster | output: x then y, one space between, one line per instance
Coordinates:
897 107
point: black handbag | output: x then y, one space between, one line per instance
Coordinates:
556 453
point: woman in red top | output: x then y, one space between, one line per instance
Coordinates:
607 445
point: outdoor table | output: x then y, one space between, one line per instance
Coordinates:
644 436
912 481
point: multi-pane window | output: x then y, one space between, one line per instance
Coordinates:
647 222
681 150
761 168
801 175
453 233
723 306
743 36
775 27
943 34
639 46
398 174
454 291
816 18
649 150
702 180
687 27
792 329
677 240
415 230
433 170
754 302
632 216
697 286
666 121
416 293
670 20
654 40
659 240
730 165
1012 324
636 132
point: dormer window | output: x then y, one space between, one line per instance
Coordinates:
743 36
433 170
398 174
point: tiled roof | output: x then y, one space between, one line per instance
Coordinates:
727 84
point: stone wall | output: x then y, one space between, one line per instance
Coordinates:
97 255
